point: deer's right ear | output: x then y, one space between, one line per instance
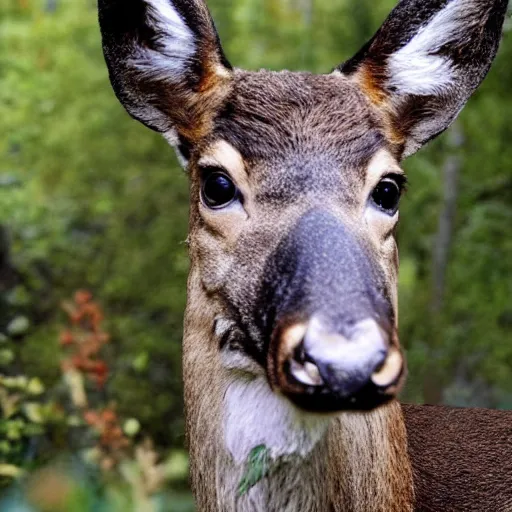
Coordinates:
424 63
165 63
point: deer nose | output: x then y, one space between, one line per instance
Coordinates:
324 370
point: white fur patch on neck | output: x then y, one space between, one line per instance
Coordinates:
255 416
415 69
177 42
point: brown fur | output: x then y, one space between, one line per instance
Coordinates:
372 85
461 458
366 455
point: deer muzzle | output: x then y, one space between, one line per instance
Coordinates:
334 344
321 370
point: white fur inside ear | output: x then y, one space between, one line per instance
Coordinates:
172 138
415 68
176 42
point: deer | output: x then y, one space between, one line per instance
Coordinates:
290 335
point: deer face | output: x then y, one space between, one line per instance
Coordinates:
294 205
295 181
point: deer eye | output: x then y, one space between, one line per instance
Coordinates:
386 195
218 190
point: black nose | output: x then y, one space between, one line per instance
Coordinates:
325 371
329 317
344 365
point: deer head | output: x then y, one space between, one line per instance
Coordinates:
295 183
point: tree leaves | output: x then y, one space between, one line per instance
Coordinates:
258 466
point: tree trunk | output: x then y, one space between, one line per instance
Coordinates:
443 239
433 381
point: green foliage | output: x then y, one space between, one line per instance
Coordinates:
84 208
258 466
24 416
72 487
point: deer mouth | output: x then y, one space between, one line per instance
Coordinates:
324 372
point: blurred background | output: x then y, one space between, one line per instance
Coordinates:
93 264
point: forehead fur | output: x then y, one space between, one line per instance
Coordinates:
277 114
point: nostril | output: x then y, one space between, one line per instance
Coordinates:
306 373
304 369
299 354
390 370
379 360
382 360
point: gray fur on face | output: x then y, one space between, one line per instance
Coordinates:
306 147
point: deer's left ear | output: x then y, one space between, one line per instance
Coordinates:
166 64
424 63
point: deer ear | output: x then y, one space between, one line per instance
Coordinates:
424 63
165 63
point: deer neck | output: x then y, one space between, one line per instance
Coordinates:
348 462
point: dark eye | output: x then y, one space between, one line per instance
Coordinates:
386 195
218 190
